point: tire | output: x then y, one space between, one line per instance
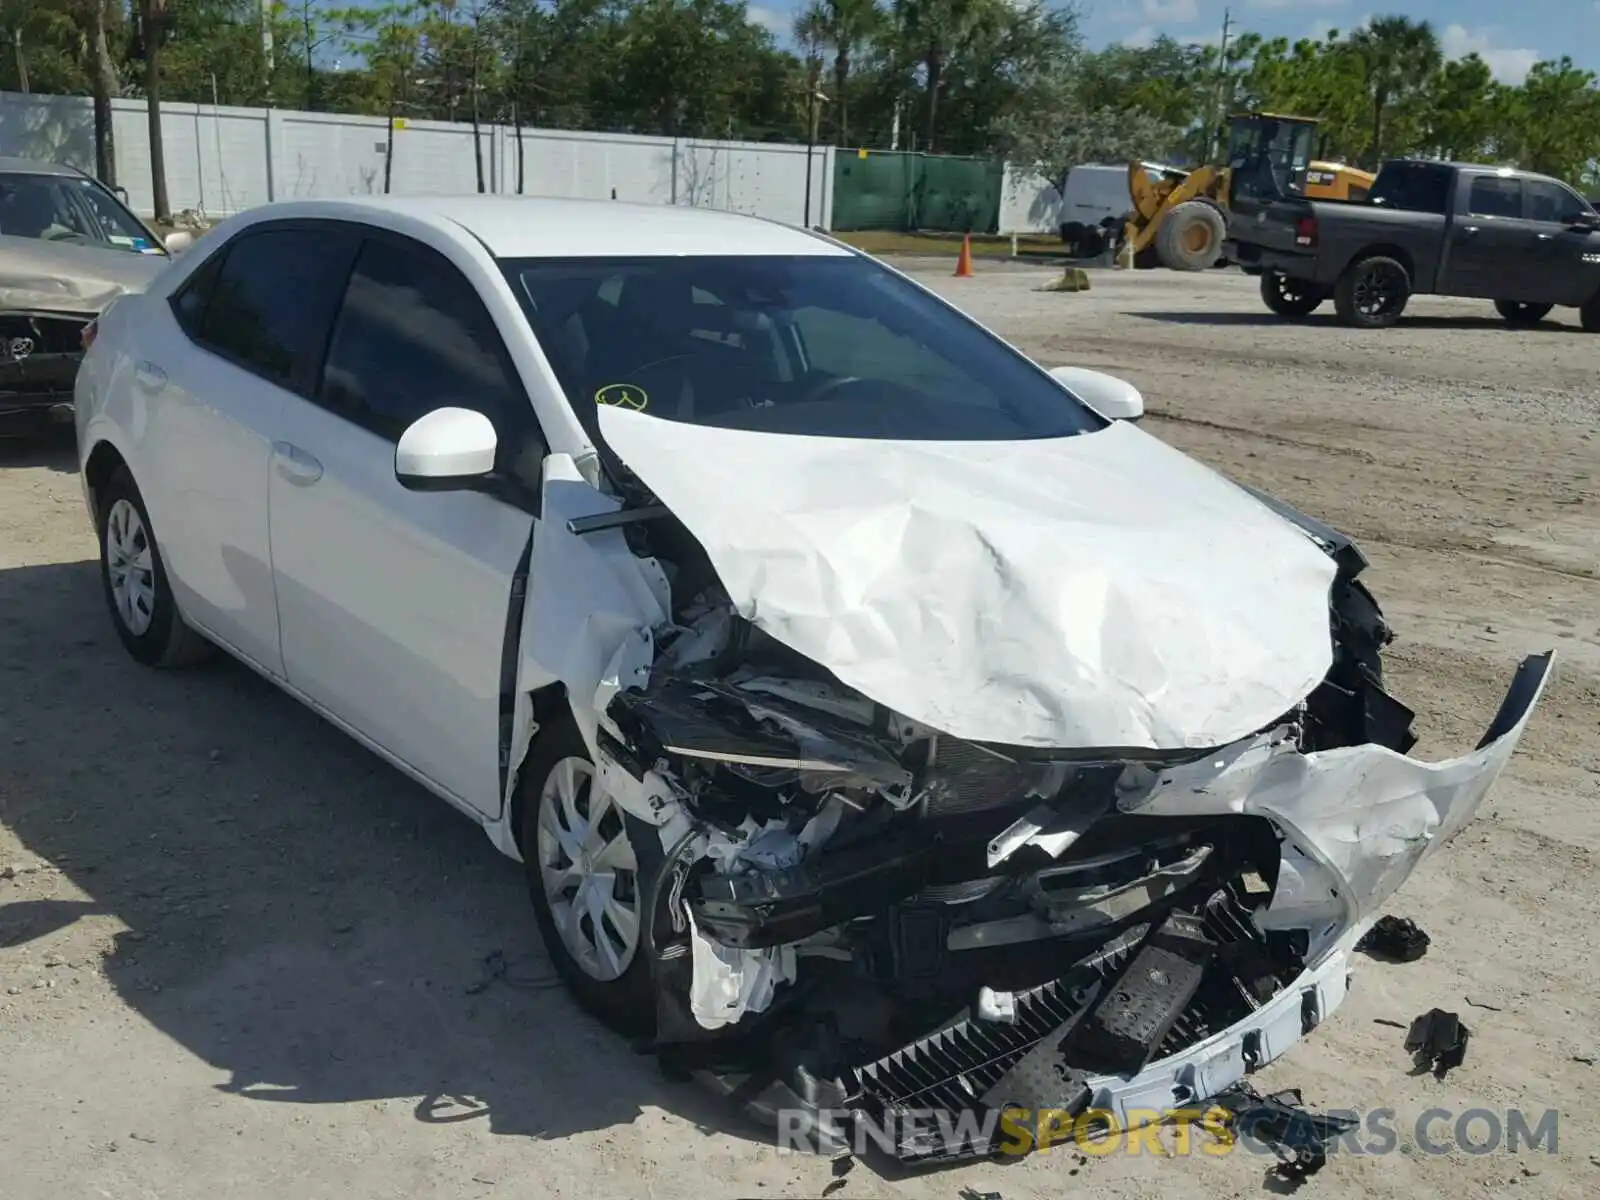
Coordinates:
134 578
1589 315
1291 299
618 990
1091 243
1190 237
1517 312
1372 293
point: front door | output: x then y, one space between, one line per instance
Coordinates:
1491 245
393 603
1567 254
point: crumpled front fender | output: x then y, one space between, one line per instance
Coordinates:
1357 820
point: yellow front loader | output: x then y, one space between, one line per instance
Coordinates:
1180 220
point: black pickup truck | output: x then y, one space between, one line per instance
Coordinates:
1524 241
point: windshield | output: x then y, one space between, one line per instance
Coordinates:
822 345
71 209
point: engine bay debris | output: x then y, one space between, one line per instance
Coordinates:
861 919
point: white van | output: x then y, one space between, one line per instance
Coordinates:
1096 204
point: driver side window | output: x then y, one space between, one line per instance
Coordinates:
1549 201
412 336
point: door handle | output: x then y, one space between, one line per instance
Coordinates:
1545 237
295 465
150 377
1468 230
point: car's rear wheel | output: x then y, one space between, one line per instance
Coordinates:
1518 312
1372 293
1291 298
134 578
592 872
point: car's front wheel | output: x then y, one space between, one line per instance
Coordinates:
592 872
134 578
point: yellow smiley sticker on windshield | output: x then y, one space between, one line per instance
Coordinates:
623 395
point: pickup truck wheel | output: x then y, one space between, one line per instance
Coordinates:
592 869
1516 312
1190 237
1589 315
1291 298
1372 293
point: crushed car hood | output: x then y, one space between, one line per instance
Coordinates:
1101 591
40 276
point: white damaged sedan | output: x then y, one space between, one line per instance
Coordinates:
887 724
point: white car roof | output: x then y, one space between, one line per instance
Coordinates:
541 227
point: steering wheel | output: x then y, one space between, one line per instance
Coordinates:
828 387
57 233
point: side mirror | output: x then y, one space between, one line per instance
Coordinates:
1587 221
1113 398
178 241
446 450
122 194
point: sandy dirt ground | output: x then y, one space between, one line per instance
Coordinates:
240 956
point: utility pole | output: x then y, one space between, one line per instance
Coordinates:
1222 87
812 97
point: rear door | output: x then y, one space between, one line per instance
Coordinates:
213 373
1566 265
1491 245
394 603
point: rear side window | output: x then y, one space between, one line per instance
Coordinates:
1412 187
189 302
261 310
1495 196
414 336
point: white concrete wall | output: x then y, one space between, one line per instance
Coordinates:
1029 203
224 160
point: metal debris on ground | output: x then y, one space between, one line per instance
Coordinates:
972 1193
1484 1004
1299 1137
1397 939
1438 1040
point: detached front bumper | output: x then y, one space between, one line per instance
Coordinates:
1354 823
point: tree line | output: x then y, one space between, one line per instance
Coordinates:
1009 78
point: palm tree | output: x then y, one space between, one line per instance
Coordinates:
1398 55
933 30
152 30
842 25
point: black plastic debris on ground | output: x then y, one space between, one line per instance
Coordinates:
1299 1137
1437 1041
1395 939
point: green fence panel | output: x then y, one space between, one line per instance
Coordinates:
959 195
872 192
904 192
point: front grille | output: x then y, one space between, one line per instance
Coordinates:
967 779
952 1068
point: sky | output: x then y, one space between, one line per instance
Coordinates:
1510 37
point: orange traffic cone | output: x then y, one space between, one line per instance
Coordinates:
964 263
